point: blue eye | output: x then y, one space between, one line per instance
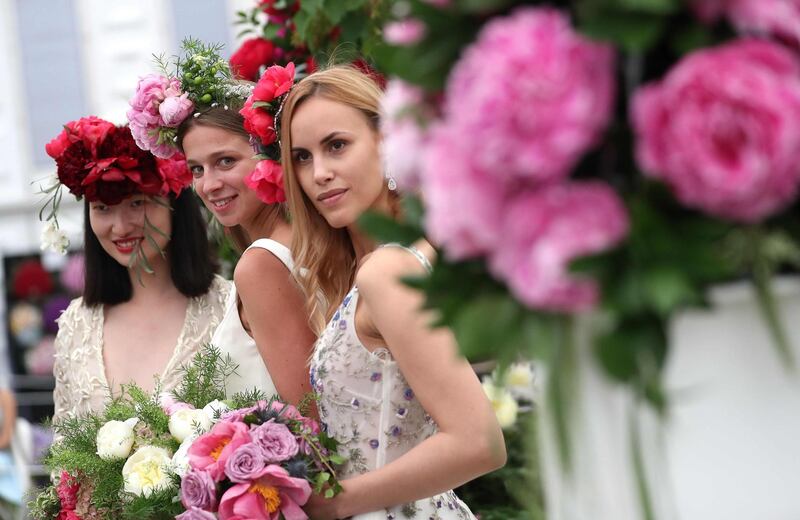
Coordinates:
227 162
197 171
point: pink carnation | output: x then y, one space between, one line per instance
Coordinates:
531 96
267 181
272 495
723 129
210 452
464 204
780 18
544 230
401 110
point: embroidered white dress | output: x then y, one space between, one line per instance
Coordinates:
231 338
367 405
79 370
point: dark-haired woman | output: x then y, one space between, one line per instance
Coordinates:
132 327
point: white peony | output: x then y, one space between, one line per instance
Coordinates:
504 404
54 238
115 439
146 470
215 409
180 461
187 422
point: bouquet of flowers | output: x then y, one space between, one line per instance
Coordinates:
188 454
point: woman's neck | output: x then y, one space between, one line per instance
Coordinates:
153 286
263 225
362 243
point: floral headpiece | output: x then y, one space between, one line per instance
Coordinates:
100 161
199 80
261 114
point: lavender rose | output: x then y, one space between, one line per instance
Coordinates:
198 490
276 441
195 513
245 464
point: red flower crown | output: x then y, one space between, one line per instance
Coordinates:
101 161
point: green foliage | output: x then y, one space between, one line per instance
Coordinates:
204 379
162 504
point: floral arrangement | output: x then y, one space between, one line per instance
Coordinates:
188 454
260 114
100 161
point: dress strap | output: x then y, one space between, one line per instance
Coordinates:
414 251
276 248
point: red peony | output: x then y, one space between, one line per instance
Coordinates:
247 61
258 123
31 280
90 130
174 173
275 81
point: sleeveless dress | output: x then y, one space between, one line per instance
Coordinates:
79 369
366 404
231 338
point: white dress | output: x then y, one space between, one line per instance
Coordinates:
231 338
366 404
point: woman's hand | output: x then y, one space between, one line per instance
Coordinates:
321 508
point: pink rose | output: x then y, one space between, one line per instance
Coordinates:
404 32
451 183
210 451
530 96
267 181
175 109
722 129
272 495
544 230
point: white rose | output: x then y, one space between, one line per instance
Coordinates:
180 461
215 409
115 439
146 470
520 381
504 404
186 422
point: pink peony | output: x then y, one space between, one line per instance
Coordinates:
258 123
174 109
267 181
210 451
723 129
780 18
275 81
404 32
545 229
464 204
402 110
272 495
145 116
530 96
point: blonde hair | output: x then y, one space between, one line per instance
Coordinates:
325 252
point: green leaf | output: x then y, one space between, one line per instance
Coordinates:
633 31
335 10
329 493
490 328
667 288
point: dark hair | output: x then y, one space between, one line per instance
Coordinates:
193 263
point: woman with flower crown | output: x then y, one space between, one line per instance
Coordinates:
151 299
408 411
265 329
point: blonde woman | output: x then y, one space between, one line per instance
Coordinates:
409 412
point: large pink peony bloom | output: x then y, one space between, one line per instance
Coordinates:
145 115
402 114
211 451
530 96
544 230
464 204
273 494
780 18
723 129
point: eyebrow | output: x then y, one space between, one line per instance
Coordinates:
216 155
326 139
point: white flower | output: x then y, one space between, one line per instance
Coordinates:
188 421
146 470
54 238
520 381
215 409
504 404
115 439
180 461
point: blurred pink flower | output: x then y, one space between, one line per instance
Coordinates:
530 96
404 32
722 129
545 229
463 204
272 495
780 18
403 136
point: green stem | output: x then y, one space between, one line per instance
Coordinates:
560 386
642 487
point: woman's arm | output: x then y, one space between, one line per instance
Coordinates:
469 441
9 417
274 308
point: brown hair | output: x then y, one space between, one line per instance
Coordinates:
229 119
325 252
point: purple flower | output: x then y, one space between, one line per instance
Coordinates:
276 441
375 377
246 463
373 443
408 394
198 490
195 513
